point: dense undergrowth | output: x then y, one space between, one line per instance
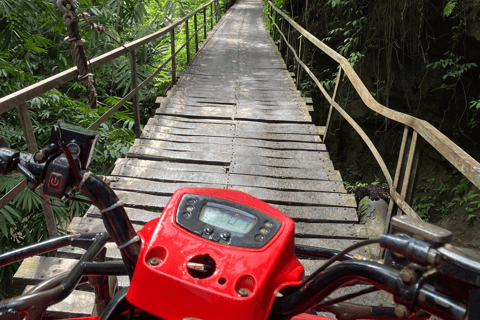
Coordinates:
418 57
32 49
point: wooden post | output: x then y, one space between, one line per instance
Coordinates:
408 168
396 179
204 23
217 10
287 59
274 26
271 20
211 16
48 212
331 106
280 38
188 41
172 43
135 102
27 127
299 67
196 32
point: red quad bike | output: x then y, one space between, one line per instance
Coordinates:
222 254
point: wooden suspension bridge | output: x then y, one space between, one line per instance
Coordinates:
235 120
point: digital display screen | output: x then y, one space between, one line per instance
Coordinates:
227 218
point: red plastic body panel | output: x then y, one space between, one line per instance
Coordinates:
167 290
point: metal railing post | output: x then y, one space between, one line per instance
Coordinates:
274 26
204 23
196 32
271 21
172 44
211 16
135 102
331 105
188 41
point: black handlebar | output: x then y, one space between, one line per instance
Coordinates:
417 294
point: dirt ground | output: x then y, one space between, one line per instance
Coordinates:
465 233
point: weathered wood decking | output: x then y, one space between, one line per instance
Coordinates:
235 121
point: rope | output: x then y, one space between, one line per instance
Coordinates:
98 27
79 55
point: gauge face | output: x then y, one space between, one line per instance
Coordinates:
226 222
74 149
227 218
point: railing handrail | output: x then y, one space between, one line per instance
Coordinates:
19 98
23 95
461 160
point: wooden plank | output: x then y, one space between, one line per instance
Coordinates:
222 159
156 187
142 201
237 141
158 202
87 224
219 148
296 173
77 304
301 198
36 269
164 165
255 105
199 131
285 184
240 125
320 130
113 253
219 159
327 230
151 188
243 114
180 178
167 182
136 216
318 213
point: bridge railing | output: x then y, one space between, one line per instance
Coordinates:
211 11
402 184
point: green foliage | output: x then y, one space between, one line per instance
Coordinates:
22 222
449 7
422 206
462 201
453 66
34 31
472 218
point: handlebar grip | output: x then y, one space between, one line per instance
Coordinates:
7 163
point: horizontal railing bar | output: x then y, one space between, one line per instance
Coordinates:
21 96
120 103
12 193
467 165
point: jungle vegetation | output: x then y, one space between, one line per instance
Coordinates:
32 48
418 57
